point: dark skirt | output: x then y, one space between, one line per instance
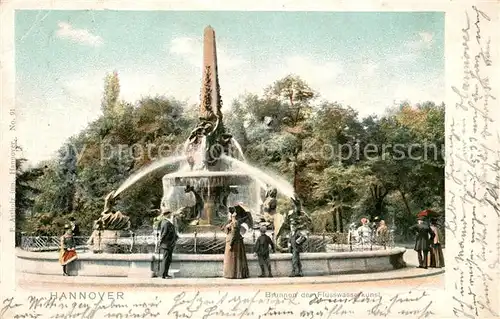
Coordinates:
235 261
437 257
67 256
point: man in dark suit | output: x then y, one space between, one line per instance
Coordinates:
168 238
75 228
295 249
423 240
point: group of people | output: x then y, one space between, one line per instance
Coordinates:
235 260
428 240
368 233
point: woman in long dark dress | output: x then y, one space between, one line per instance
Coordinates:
68 249
235 259
382 234
437 257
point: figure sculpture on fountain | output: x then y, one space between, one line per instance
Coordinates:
188 215
110 218
269 206
202 145
206 143
222 207
198 206
109 227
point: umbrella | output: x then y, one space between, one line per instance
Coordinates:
426 213
243 213
240 208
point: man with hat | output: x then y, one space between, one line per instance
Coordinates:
261 249
423 240
75 228
295 244
168 238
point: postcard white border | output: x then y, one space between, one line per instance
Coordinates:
455 21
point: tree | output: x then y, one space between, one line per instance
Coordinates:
339 188
339 131
343 167
110 103
235 122
297 93
25 193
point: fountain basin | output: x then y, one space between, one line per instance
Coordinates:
209 266
209 242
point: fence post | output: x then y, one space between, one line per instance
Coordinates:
116 248
350 239
23 240
99 241
133 242
323 240
195 240
309 244
371 241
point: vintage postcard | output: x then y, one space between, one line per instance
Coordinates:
220 160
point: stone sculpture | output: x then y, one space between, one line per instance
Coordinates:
198 206
210 128
269 206
109 228
223 193
189 215
111 219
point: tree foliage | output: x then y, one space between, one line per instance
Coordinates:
344 167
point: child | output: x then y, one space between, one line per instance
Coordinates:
68 251
262 251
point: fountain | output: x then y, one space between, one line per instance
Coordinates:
215 176
213 180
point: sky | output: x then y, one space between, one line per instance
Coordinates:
368 60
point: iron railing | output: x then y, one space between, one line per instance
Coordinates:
201 243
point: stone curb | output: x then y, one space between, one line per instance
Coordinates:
405 273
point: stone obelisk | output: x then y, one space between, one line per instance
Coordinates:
210 106
210 138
